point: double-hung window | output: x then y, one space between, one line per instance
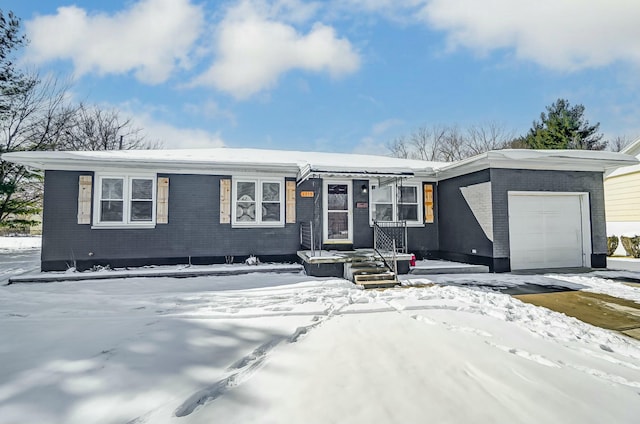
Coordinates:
391 203
258 202
124 201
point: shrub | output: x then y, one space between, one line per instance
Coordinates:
612 245
631 245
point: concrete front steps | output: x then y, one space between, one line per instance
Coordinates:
370 273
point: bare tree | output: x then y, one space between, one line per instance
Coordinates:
34 119
450 143
399 147
489 136
619 143
93 128
427 143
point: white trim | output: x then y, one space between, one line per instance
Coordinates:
585 217
552 160
126 222
418 185
325 211
258 181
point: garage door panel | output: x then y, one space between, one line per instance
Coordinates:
545 231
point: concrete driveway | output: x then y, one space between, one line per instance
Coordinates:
623 263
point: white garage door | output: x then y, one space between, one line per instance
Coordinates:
546 231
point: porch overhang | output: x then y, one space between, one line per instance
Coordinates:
309 171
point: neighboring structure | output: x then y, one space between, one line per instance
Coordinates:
509 209
622 198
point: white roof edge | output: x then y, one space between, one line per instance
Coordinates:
69 162
632 149
223 159
571 160
299 163
625 170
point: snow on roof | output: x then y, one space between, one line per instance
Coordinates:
309 163
633 148
227 158
571 160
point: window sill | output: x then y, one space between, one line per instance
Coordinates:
409 224
123 226
254 225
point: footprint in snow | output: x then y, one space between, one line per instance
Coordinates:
424 319
471 330
526 355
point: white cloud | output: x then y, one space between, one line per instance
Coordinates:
565 35
559 34
211 110
392 9
254 48
373 143
384 126
150 38
179 138
156 130
370 146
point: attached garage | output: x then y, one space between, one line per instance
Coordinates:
549 230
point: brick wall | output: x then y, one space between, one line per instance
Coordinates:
194 229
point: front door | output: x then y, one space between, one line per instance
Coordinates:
337 212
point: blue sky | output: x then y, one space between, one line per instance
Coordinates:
345 76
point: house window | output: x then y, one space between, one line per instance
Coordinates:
125 200
258 202
396 203
382 201
408 203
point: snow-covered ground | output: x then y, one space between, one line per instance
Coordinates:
18 255
19 243
278 348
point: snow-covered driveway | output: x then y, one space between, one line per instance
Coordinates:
18 255
274 348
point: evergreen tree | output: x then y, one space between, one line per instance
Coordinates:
564 127
18 194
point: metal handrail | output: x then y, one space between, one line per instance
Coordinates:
386 232
306 237
384 240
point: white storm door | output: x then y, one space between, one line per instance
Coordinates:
337 212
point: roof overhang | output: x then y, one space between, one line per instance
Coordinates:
69 161
558 160
309 171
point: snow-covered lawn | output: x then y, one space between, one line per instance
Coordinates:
18 255
19 243
277 348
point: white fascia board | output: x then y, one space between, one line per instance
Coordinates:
101 165
626 170
556 160
632 149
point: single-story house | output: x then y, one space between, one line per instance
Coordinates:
622 198
507 209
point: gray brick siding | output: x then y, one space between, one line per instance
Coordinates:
194 228
505 180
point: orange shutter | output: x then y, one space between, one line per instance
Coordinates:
428 204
